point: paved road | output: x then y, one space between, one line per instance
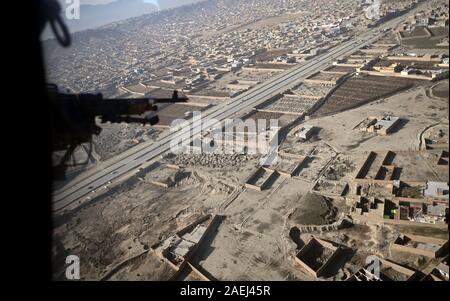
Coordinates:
137 156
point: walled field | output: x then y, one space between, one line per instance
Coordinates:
283 119
263 66
289 105
310 90
176 111
326 76
416 32
341 69
254 75
416 64
360 90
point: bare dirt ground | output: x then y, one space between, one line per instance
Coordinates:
272 20
115 138
441 90
314 210
113 229
337 129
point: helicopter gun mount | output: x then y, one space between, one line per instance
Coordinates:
74 116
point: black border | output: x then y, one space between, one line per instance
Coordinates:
31 164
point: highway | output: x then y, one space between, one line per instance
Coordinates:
135 157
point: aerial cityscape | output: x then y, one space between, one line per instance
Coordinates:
350 99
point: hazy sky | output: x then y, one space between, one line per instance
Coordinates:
95 1
158 3
96 17
107 1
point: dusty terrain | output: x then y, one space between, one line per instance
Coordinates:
125 223
262 230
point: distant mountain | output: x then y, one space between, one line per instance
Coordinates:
103 12
95 15
165 4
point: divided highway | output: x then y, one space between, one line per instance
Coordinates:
81 188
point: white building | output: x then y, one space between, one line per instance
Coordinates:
436 189
305 132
